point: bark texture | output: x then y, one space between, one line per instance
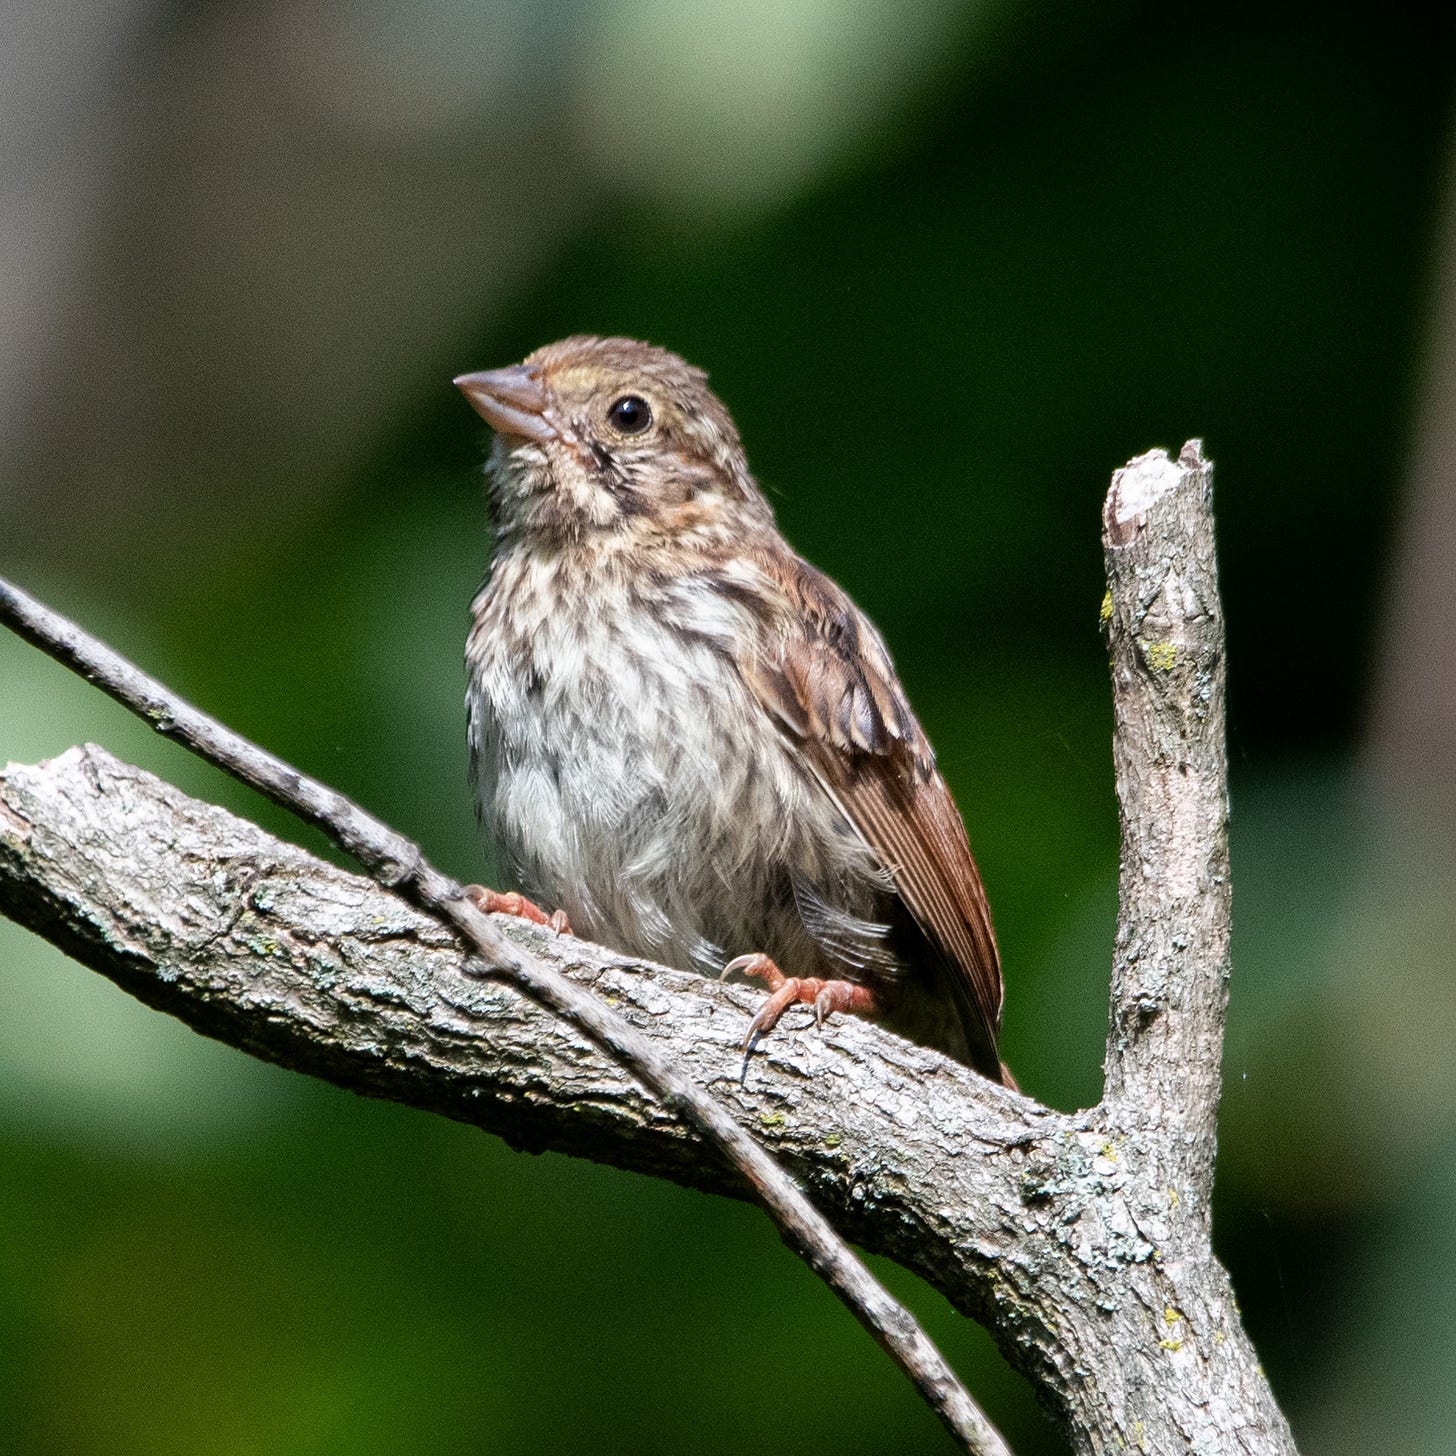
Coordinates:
1082 1241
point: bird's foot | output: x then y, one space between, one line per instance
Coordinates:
826 997
495 903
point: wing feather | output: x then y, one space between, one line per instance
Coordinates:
827 678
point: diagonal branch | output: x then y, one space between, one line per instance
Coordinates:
398 864
264 946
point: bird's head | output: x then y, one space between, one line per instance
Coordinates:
611 439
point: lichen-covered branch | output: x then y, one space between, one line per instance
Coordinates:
397 863
1171 964
1082 1241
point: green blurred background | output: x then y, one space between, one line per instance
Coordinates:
949 263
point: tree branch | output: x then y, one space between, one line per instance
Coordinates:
1082 1241
1171 966
395 862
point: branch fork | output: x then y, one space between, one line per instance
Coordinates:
1081 1240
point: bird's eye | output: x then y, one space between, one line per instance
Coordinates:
630 415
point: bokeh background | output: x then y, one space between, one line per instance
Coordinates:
949 262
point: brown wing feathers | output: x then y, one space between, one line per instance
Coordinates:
834 688
917 831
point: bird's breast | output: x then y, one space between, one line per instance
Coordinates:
622 767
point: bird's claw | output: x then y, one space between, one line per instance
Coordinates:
758 966
825 997
493 902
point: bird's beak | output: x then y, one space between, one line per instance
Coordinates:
512 401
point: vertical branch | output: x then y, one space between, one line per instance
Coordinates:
1170 971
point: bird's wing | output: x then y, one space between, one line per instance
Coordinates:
826 676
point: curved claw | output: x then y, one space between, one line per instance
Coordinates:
825 997
788 993
756 965
823 1006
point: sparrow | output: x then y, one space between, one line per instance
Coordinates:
686 738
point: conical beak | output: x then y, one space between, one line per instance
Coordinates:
512 401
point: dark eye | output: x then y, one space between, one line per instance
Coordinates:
630 415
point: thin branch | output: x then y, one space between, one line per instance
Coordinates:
1170 973
397 863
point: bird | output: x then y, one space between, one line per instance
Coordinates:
688 740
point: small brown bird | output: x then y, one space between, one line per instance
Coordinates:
687 738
